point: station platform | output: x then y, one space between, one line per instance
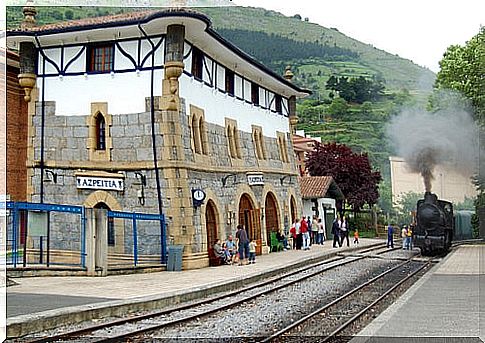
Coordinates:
36 304
446 305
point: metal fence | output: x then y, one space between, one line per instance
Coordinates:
52 234
45 234
143 239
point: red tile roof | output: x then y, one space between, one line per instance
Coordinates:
99 21
317 186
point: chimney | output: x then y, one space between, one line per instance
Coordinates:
29 15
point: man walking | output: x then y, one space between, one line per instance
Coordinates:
243 243
305 235
336 233
390 238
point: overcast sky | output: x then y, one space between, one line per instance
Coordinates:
419 30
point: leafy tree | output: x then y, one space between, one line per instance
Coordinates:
351 171
462 69
69 14
338 108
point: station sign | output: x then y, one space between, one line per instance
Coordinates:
255 179
106 183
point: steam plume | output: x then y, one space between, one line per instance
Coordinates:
448 137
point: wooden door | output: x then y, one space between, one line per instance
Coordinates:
250 218
211 227
271 217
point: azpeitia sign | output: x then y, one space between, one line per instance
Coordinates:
88 182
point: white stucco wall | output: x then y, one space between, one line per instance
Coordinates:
218 106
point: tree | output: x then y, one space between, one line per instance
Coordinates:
351 171
462 69
69 14
338 108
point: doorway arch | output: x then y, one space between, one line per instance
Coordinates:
211 227
250 218
271 216
293 209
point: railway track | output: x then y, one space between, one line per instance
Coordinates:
137 327
344 311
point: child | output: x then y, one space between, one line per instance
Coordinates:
252 252
356 236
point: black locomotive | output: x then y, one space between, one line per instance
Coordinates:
434 225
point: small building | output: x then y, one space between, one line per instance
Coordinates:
319 194
155 112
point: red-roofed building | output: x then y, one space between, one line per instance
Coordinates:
319 195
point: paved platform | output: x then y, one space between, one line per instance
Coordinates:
446 305
39 303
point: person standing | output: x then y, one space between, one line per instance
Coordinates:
305 234
252 252
314 233
404 236
293 235
321 232
390 236
336 233
409 238
344 231
243 243
299 240
356 236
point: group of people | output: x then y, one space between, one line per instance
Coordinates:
340 231
406 235
305 232
241 250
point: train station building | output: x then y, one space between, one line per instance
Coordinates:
155 112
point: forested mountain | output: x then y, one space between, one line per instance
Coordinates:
315 54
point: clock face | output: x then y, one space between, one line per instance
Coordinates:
199 194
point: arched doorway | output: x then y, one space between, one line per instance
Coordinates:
111 237
271 216
211 227
293 210
249 217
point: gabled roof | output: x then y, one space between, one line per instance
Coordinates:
313 187
152 18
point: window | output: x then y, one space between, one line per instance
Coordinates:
197 63
100 132
233 139
255 94
198 130
101 58
99 140
283 148
258 140
278 103
230 82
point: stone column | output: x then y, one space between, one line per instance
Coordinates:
101 241
174 66
90 242
27 76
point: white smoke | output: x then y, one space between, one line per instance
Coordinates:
448 137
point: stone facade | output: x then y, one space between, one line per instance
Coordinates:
209 136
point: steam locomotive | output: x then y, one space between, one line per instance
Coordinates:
434 225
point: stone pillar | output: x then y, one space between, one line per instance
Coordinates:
27 76
90 242
101 241
174 66
96 242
